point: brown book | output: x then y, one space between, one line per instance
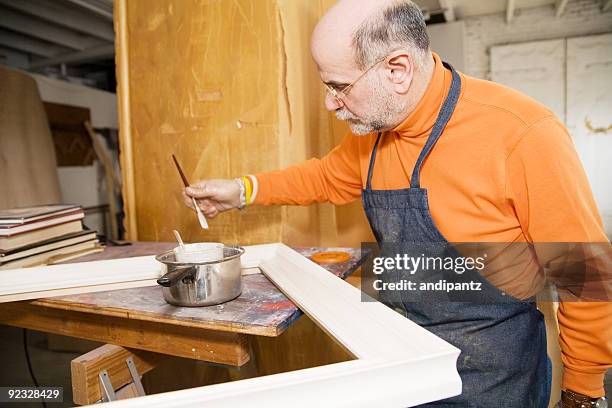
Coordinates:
30 214
30 237
57 255
47 245
16 229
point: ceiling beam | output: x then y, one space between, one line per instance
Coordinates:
97 53
13 58
43 30
449 10
65 16
89 5
560 7
510 5
607 6
30 45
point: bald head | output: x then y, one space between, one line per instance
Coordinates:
358 31
374 57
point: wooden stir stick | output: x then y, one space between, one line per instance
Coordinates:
201 217
179 239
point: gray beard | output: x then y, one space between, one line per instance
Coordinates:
357 126
378 121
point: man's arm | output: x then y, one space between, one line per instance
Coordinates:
335 178
554 203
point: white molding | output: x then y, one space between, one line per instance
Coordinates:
399 364
58 280
98 276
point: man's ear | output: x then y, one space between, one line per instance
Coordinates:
400 71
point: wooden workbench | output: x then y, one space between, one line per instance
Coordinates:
140 319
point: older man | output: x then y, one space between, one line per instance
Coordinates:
437 156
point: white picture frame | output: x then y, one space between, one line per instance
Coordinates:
398 363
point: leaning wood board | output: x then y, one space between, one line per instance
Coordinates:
398 363
28 155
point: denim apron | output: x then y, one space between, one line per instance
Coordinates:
503 360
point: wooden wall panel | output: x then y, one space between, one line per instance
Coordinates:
304 124
189 72
195 69
309 130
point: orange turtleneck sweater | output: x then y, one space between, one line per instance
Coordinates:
504 170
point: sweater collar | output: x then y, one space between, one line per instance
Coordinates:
420 121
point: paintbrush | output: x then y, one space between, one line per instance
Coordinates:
201 217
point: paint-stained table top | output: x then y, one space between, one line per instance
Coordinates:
261 309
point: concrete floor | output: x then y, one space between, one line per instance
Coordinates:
52 368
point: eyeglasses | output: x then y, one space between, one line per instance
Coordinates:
339 94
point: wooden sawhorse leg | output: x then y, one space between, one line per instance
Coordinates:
110 372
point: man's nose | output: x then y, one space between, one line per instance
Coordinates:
331 103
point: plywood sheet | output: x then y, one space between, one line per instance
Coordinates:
308 130
304 123
207 66
28 170
245 61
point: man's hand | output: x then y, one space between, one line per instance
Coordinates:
213 196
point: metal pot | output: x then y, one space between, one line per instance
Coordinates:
201 284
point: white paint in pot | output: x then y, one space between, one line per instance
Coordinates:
199 252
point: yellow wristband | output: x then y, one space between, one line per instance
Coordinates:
248 187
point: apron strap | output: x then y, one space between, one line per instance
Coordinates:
372 161
443 117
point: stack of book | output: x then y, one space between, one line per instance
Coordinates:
44 235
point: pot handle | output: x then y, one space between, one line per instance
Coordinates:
175 276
